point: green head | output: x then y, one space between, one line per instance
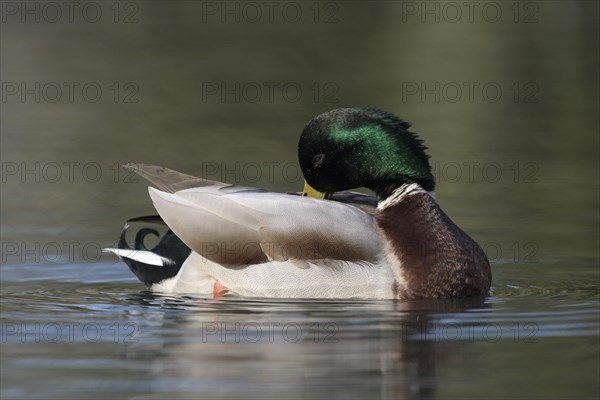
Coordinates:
348 148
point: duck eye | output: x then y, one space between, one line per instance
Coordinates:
318 160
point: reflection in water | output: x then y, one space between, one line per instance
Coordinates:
391 351
132 343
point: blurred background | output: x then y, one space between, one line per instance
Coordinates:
504 93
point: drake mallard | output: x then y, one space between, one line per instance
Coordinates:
327 243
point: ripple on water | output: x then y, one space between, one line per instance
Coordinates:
538 296
95 328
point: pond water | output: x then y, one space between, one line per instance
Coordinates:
81 332
507 104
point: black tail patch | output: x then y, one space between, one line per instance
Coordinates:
169 246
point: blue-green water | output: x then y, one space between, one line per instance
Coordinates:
507 104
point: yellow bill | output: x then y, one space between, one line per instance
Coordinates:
312 192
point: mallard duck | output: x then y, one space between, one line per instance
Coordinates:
325 243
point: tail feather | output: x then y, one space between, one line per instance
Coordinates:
158 263
141 256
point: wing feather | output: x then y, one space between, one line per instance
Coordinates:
212 235
236 225
273 225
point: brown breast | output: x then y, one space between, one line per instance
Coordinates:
438 259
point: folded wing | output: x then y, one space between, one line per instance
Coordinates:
234 225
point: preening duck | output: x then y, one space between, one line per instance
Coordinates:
325 243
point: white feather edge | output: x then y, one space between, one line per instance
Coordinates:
146 257
401 193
